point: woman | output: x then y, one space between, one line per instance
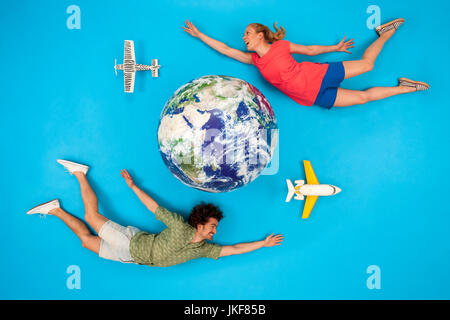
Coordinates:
311 83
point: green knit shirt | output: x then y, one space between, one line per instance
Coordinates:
171 246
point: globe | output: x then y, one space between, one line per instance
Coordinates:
217 133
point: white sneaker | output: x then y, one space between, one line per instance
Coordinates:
73 166
44 208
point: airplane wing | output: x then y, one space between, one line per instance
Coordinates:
309 205
128 53
128 81
310 179
309 172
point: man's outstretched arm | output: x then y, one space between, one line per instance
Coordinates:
145 198
239 248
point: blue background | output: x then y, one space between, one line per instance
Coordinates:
61 99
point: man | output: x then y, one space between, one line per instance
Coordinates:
178 243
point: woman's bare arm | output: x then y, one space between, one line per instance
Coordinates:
221 47
342 46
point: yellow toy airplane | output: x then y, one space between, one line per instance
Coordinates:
312 190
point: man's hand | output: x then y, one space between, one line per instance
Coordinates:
191 29
124 173
272 240
344 45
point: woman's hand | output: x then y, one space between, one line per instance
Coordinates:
343 46
191 29
272 240
221 47
124 173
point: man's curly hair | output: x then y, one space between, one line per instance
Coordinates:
201 213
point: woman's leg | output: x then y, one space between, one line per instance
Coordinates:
88 240
92 216
345 97
357 67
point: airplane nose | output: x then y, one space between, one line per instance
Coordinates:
337 190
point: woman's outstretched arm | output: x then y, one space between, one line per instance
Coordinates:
241 56
342 46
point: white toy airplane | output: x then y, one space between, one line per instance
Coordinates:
312 190
130 67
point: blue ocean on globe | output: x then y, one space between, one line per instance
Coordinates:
217 133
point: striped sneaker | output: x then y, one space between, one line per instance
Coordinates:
73 166
394 24
419 85
44 208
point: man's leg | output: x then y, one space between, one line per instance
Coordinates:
92 216
88 240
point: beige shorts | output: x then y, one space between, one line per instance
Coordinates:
115 244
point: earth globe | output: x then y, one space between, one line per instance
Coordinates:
217 133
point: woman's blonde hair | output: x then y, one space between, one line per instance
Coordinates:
269 35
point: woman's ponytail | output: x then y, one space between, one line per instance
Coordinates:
278 35
269 35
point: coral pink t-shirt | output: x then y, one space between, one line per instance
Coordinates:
299 81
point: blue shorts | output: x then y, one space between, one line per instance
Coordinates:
332 80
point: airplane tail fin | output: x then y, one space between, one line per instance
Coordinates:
291 190
155 68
